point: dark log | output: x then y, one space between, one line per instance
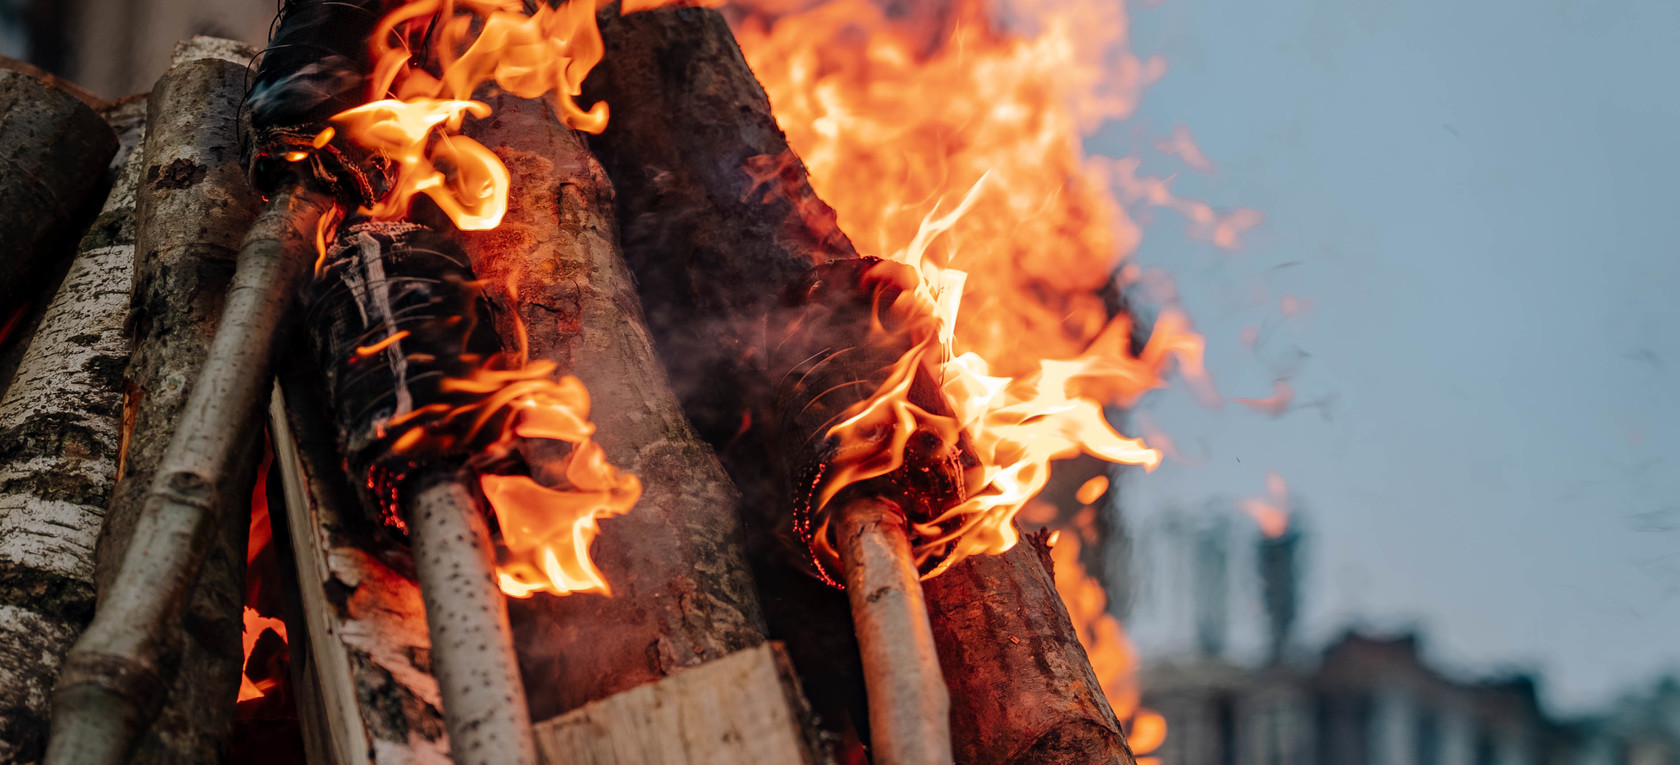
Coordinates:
681 591
717 218
194 208
54 149
60 426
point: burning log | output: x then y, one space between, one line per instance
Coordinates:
54 149
717 220
191 452
60 428
395 324
681 594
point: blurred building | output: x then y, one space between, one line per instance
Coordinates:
1363 699
119 47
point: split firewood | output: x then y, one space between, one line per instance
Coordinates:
744 708
53 153
60 429
717 219
681 594
361 652
175 539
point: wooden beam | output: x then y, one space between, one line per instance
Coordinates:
744 708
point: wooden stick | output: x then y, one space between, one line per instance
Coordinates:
681 593
472 648
712 246
909 710
53 153
60 426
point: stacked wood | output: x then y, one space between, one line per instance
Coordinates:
194 207
681 591
53 149
60 429
717 218
745 708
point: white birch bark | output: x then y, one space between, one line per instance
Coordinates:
60 433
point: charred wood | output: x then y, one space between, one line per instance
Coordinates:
717 219
681 591
60 428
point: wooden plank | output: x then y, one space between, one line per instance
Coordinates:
744 708
362 658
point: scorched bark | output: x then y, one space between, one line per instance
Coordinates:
717 219
681 593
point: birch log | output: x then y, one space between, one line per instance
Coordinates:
53 152
193 209
681 592
717 218
60 426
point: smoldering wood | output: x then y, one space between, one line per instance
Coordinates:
54 149
681 591
361 652
178 541
60 428
744 708
712 245
909 708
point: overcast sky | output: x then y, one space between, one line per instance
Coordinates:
1478 198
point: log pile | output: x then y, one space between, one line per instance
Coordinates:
678 266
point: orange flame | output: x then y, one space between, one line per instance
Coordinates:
1032 356
255 625
1272 511
414 116
429 57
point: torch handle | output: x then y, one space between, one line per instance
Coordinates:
909 708
472 644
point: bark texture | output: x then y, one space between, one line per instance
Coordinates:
362 657
681 591
194 207
1010 653
909 708
472 647
60 427
53 152
717 218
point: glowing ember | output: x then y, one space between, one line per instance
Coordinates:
1272 511
255 625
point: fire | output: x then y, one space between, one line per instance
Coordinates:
255 625
894 113
429 57
259 537
1272 511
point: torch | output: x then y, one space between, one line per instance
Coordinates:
875 460
398 328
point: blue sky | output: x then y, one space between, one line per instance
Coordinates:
1478 200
